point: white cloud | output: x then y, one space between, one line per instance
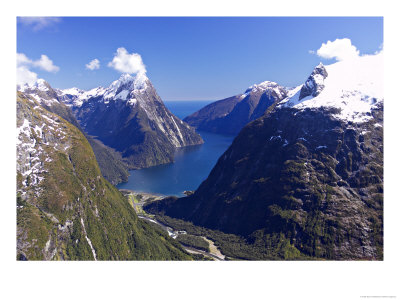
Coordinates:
127 63
25 76
93 65
46 64
22 59
38 23
24 63
339 49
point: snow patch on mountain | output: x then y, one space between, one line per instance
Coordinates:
265 86
72 91
179 132
35 137
29 155
41 91
39 84
353 86
125 88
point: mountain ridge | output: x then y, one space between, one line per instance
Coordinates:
230 115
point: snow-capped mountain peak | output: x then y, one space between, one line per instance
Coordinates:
315 82
353 86
261 86
39 84
42 85
131 82
124 88
72 91
266 86
41 91
126 85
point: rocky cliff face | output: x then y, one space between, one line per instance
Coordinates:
309 173
315 83
130 117
65 208
230 115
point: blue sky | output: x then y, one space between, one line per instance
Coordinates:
191 58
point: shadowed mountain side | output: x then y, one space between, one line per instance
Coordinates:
230 115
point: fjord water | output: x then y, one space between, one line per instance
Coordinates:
192 164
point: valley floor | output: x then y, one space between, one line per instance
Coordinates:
138 199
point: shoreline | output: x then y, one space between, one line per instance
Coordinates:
156 195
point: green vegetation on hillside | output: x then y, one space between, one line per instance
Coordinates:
293 185
74 213
193 241
235 247
110 162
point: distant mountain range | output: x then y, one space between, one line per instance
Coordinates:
230 115
307 176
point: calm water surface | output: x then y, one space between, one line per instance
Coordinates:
192 164
182 109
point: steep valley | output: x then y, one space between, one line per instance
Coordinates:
303 179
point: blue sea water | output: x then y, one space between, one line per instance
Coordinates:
192 164
182 109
